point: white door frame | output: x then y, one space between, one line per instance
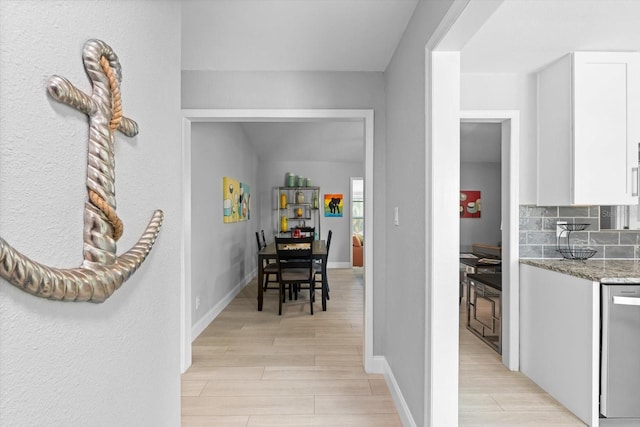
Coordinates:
190 116
442 104
443 246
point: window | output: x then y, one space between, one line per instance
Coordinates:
357 206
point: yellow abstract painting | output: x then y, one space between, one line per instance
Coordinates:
236 200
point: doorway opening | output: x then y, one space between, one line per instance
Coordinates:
509 124
216 115
480 232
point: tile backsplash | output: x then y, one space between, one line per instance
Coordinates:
538 233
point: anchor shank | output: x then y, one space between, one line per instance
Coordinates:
99 244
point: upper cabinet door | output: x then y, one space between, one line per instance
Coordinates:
588 110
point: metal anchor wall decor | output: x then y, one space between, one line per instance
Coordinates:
102 272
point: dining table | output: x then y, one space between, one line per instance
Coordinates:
319 253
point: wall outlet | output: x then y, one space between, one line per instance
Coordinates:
197 303
559 228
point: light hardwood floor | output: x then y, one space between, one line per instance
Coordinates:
491 395
255 368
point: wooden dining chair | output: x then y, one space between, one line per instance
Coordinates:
264 241
295 266
270 269
260 245
317 266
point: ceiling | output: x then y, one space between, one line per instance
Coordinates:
523 36
334 141
295 35
292 35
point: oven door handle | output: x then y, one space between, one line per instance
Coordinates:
618 300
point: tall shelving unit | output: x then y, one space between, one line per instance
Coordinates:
301 212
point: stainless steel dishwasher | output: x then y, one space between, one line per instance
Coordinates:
620 346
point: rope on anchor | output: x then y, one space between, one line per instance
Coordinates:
112 217
116 118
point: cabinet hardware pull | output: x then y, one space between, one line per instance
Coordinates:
634 182
626 300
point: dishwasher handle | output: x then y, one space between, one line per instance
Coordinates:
618 300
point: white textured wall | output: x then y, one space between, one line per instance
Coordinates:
223 255
509 92
84 364
331 177
484 177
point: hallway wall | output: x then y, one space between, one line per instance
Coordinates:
84 364
408 183
223 255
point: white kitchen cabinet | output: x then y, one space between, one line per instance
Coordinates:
589 129
560 338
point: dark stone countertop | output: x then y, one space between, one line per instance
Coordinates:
604 271
478 260
493 280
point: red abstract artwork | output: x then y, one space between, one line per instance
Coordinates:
470 204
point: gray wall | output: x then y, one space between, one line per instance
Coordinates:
308 90
407 178
82 364
484 177
223 255
331 177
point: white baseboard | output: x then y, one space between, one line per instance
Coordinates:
398 398
206 320
334 264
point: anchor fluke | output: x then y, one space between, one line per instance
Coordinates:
94 284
